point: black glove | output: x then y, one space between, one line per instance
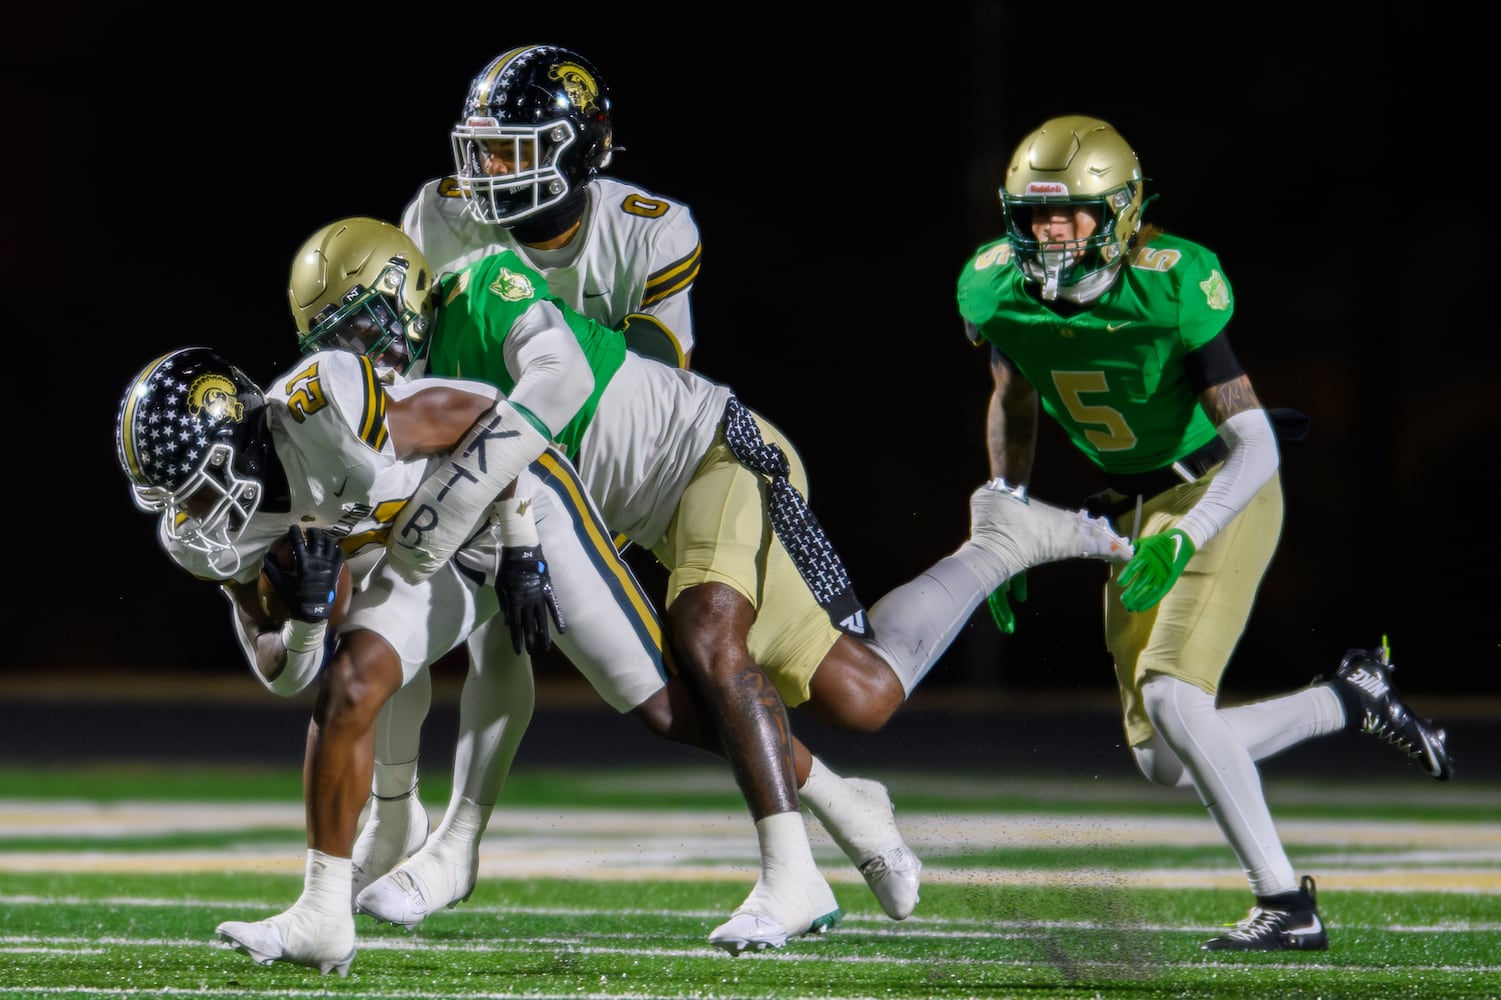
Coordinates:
308 588
527 598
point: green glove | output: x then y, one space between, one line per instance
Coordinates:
1000 607
1151 573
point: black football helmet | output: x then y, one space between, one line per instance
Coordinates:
544 109
191 435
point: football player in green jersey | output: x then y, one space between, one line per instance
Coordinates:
759 614
1118 331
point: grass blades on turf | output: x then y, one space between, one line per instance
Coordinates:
606 886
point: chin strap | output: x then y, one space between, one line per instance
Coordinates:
553 221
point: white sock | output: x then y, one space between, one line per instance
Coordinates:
393 781
1225 777
785 852
495 707
463 823
398 737
843 812
326 884
1265 728
1272 725
916 622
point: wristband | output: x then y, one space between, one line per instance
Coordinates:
299 636
518 528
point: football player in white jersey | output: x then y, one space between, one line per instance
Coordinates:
678 465
329 449
529 150
623 256
336 448
541 116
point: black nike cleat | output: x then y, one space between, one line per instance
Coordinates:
1364 683
1278 923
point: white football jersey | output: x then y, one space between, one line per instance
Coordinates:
636 252
327 421
653 425
328 427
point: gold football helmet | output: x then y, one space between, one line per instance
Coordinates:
360 284
1082 162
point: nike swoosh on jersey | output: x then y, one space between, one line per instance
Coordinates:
340 491
1112 327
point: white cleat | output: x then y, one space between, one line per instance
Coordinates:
441 875
296 936
876 847
763 922
895 877
395 830
1027 532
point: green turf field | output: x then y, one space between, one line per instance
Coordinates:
604 885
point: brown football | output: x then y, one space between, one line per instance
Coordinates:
271 602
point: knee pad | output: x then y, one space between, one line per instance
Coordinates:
1159 764
1175 707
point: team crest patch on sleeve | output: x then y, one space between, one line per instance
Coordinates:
1216 292
511 286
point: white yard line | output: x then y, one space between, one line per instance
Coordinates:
612 844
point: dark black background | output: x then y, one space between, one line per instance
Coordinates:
160 171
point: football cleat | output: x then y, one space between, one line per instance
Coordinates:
895 877
394 831
866 831
763 921
1364 683
440 875
298 936
1278 923
1026 532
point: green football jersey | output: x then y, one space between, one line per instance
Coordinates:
1112 374
480 305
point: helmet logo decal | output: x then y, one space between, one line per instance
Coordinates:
578 83
511 286
1047 187
1215 291
214 396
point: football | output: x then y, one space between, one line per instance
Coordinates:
271 602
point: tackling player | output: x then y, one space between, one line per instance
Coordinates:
759 609
535 133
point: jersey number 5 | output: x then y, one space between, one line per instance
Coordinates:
1072 387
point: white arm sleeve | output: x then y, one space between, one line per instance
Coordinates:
555 379
1252 462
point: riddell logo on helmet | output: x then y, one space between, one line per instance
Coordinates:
1047 187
